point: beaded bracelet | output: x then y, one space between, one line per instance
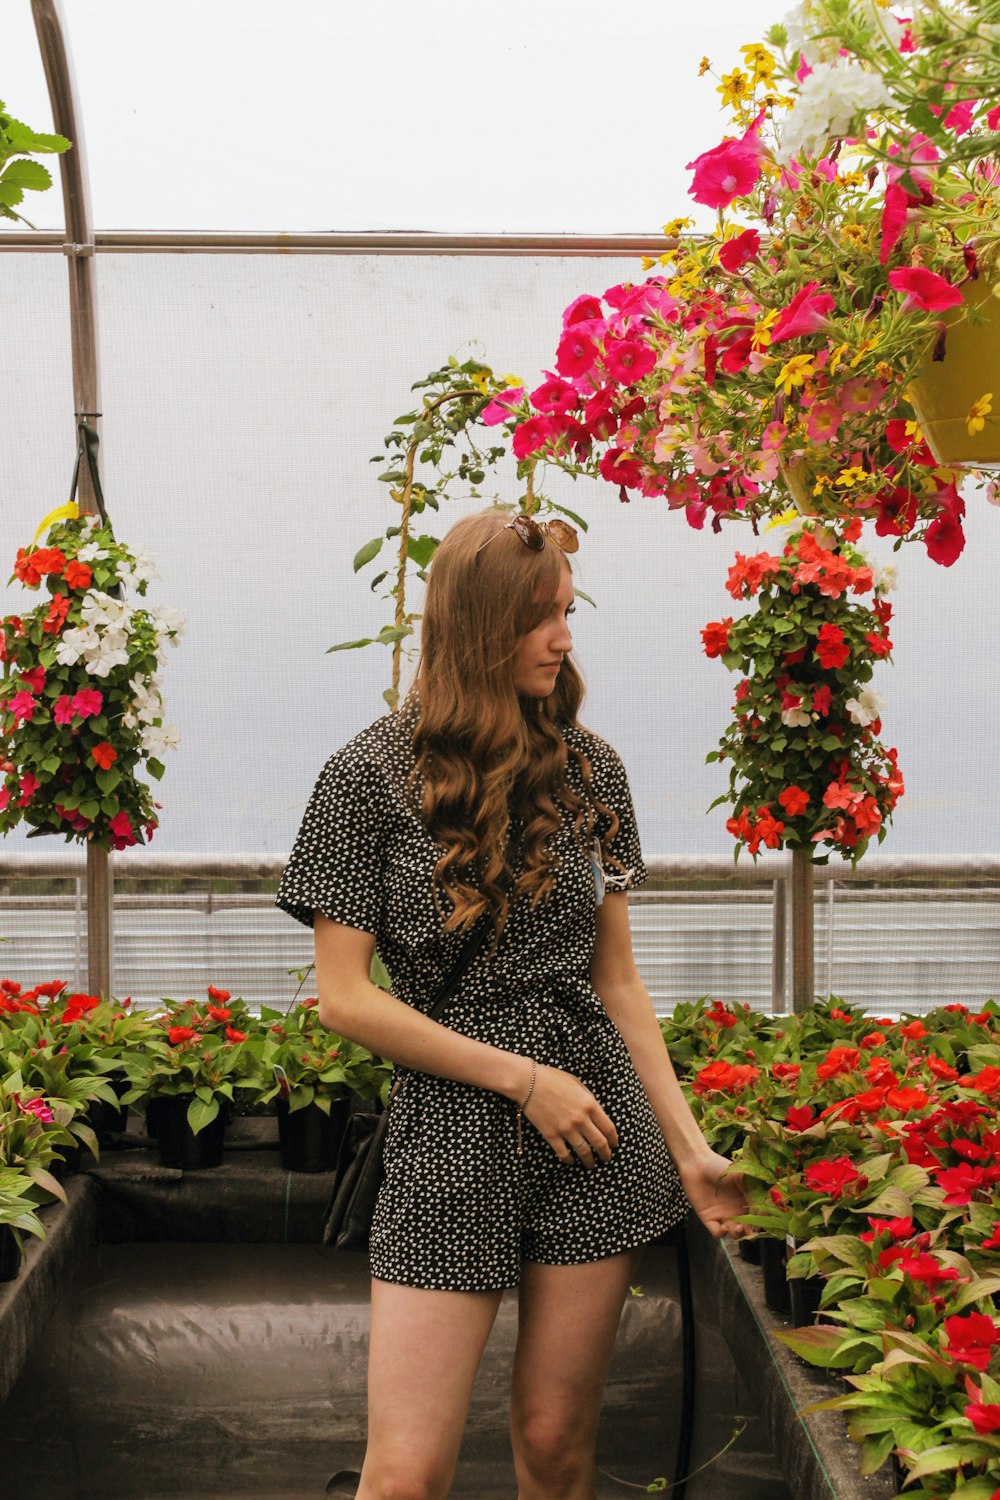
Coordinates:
523 1106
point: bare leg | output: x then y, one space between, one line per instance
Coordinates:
568 1319
424 1352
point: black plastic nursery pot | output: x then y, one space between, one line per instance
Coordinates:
311 1138
773 1258
178 1145
10 1254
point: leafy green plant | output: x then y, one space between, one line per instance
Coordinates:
18 172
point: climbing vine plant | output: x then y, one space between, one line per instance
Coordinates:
438 451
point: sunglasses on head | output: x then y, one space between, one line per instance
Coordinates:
533 533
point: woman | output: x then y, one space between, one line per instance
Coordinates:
540 1137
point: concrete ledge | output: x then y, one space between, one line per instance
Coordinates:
27 1303
817 1457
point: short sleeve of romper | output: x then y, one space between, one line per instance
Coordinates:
336 863
609 784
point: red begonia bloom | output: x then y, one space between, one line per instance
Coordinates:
219 996
924 289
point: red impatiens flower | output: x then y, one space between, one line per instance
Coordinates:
78 1006
971 1338
716 636
993 1243
723 1077
834 1177
219 1012
897 1229
799 1117
904 1099
789 1071
36 1107
926 1269
179 1034
985 1417
832 650
794 800
961 1182
914 1031
78 574
219 996
721 1016
838 1062
56 616
104 755
872 1039
232 1035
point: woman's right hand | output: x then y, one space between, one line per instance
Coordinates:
565 1112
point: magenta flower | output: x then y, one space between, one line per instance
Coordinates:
600 416
87 702
62 709
576 354
36 1107
741 248
121 830
499 408
806 313
555 395
862 395
993 118
924 289
959 117
35 679
583 309
27 788
531 435
627 360
728 171
22 705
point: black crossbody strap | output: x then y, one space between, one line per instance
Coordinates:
471 950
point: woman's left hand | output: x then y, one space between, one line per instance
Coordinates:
714 1189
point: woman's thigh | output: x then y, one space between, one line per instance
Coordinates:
424 1351
568 1318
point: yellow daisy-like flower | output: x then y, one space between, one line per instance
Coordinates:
854 234
648 262
482 380
794 372
681 283
848 478
824 482
673 229
703 67
762 330
836 358
979 411
866 348
885 372
735 86
760 60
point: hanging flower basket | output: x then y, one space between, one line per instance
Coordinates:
957 398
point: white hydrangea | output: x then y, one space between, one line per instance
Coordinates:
830 100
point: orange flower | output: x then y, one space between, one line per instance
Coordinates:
103 754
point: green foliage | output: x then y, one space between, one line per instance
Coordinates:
18 173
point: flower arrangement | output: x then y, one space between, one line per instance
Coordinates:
872 1142
806 766
858 210
81 711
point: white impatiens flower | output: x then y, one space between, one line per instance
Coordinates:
92 553
159 737
170 623
108 655
73 644
100 609
830 100
144 569
885 576
795 718
866 707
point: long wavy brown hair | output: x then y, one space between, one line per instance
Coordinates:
491 765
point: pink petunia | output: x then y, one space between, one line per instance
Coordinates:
806 313
628 360
823 420
959 117
499 408
576 355
583 309
862 395
555 395
735 253
924 289
993 118
727 171
531 435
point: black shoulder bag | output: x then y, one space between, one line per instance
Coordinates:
360 1172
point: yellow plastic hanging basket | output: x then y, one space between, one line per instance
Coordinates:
945 391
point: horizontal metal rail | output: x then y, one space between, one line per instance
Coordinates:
371 242
670 868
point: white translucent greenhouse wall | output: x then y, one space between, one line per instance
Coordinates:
243 397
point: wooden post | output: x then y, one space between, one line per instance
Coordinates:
79 249
802 930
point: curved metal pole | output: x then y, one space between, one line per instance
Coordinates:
79 250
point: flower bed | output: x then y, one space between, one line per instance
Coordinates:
66 1057
871 1145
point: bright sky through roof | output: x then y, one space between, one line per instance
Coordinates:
534 115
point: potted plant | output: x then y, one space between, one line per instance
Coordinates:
81 711
189 1074
29 1136
315 1079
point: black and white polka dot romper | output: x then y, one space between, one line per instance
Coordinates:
460 1209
